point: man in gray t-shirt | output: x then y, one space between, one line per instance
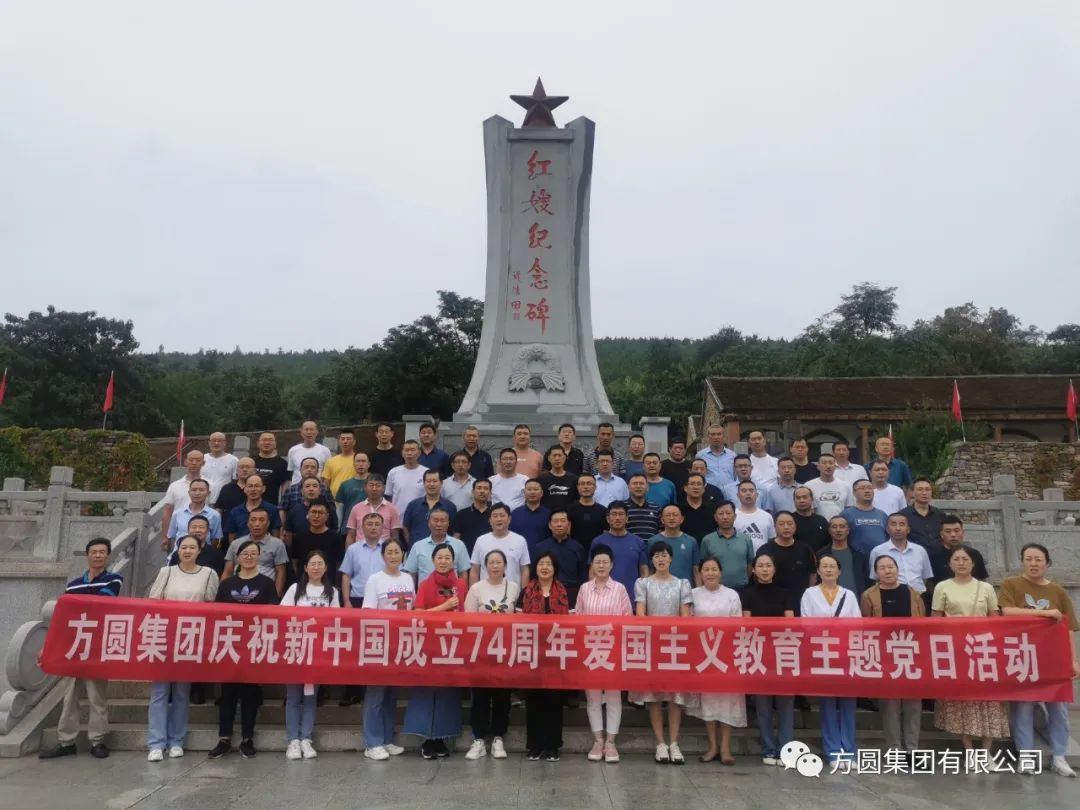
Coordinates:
273 555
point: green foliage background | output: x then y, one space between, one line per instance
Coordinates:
103 460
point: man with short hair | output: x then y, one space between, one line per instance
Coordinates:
889 498
911 559
799 451
559 484
744 471
719 460
363 558
575 459
899 474
796 565
634 463
431 456
273 554
923 517
95 581
810 527
765 471
511 544
312 490
209 554
676 467
480 463
508 486
642 515
782 492
605 440
352 490
309 468
845 470
952 536
341 467
307 448
419 563
528 458
457 487
272 468
475 519
610 488
733 549
232 494
660 490
568 552
751 518
630 558
854 569
712 492
318 536
588 519
831 495
176 496
530 520
219 465
198 495
375 503
405 483
685 553
236 522
867 523
385 457
698 513
415 519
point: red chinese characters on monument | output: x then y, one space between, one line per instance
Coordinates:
540 203
540 311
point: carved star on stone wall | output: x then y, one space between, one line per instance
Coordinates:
538 106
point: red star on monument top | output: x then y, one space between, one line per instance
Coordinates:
538 106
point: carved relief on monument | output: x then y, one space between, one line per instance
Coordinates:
536 368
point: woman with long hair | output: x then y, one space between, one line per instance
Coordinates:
543 707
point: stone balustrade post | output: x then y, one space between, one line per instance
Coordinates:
654 429
60 483
412 424
1012 528
14 485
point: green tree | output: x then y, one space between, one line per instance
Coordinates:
869 309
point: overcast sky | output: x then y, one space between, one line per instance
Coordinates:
306 175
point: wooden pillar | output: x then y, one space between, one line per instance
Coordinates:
733 429
864 442
997 431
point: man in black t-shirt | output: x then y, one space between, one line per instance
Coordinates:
796 564
474 520
699 512
588 519
559 485
810 527
385 456
272 468
318 536
676 467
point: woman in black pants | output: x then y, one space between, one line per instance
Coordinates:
543 707
246 587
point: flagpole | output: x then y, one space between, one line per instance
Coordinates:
104 419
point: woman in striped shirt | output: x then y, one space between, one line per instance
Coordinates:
603 596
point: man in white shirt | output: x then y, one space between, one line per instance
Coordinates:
458 487
405 483
831 495
308 448
508 485
751 519
219 467
509 543
177 496
765 471
845 470
911 558
889 498
609 487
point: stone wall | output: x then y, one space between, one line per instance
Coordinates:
1036 465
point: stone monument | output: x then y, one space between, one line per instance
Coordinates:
537 362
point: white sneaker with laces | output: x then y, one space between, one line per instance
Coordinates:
1059 766
377 753
308 750
597 752
676 754
662 753
498 751
176 752
293 750
394 750
155 755
476 750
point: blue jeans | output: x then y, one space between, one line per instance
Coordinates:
168 719
379 706
299 712
837 725
785 718
1022 722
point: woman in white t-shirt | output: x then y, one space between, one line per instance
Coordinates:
313 589
187 581
389 589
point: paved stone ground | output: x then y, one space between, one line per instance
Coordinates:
347 780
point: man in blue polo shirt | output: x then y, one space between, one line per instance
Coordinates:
899 471
432 457
719 460
531 519
96 581
198 495
419 562
869 526
415 518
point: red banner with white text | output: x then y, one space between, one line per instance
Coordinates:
1013 658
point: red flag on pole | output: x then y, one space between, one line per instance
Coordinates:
957 412
3 386
890 432
108 394
180 445
1070 401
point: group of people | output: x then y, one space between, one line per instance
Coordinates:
597 533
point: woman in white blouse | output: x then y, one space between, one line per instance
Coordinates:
829 600
187 581
712 598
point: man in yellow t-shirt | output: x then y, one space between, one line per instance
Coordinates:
340 469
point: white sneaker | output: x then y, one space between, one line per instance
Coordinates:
597 752
176 752
308 750
155 755
497 749
476 750
770 761
293 751
394 750
1059 766
378 753
676 754
662 753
